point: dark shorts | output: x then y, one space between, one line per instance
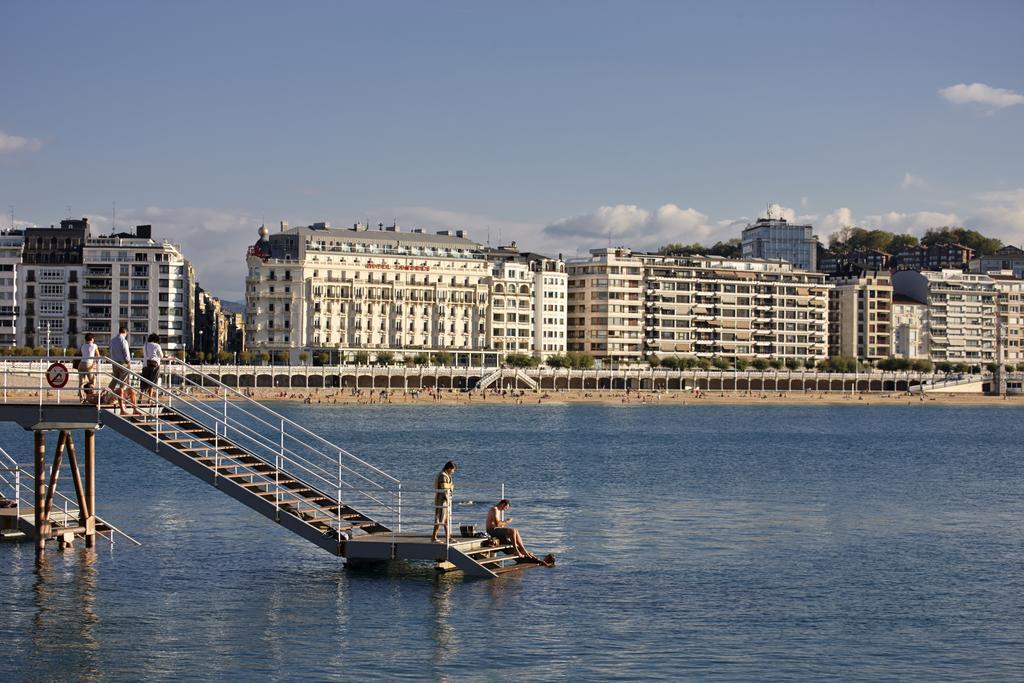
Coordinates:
502 533
150 372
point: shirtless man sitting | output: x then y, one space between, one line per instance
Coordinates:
498 528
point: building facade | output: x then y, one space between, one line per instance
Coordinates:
1010 322
860 316
909 329
938 256
1008 258
961 313
626 306
12 244
775 239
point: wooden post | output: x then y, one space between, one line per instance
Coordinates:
90 487
54 473
83 504
40 490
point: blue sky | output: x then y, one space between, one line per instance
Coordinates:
554 124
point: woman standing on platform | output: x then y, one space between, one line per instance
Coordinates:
87 365
152 354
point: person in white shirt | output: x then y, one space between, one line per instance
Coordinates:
87 364
152 354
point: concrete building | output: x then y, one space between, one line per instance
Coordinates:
937 256
626 306
340 291
12 244
211 326
909 329
134 280
543 279
961 313
1008 258
1010 330
50 287
605 302
860 316
776 239
852 262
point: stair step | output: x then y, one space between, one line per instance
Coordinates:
492 549
283 482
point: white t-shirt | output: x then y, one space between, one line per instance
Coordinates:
89 351
152 351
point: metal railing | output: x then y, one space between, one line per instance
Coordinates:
11 474
295 452
290 447
469 505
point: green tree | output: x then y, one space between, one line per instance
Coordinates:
361 358
720 363
245 357
922 365
944 366
669 362
704 363
794 363
653 360
969 238
421 358
442 358
303 357
385 357
521 360
264 357
323 357
224 357
810 363
760 364
775 363
741 364
281 357
729 249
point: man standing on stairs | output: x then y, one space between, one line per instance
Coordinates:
443 488
120 354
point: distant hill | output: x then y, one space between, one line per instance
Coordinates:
231 306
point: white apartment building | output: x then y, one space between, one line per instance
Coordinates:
1010 330
909 330
11 245
139 282
626 306
550 286
72 283
961 314
528 302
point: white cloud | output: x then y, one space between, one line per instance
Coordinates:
915 222
979 93
1001 215
16 143
911 181
636 227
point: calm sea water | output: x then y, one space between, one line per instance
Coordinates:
704 542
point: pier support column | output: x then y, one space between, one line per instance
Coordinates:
41 526
90 487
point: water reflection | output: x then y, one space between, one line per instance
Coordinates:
65 621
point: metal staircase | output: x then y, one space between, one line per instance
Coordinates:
266 461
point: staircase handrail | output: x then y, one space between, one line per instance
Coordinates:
243 397
221 425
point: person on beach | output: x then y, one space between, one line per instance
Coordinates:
89 351
498 528
443 488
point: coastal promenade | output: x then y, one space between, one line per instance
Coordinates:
548 379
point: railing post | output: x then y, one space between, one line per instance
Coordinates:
338 498
17 495
277 476
399 525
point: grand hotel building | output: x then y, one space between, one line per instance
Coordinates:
319 289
